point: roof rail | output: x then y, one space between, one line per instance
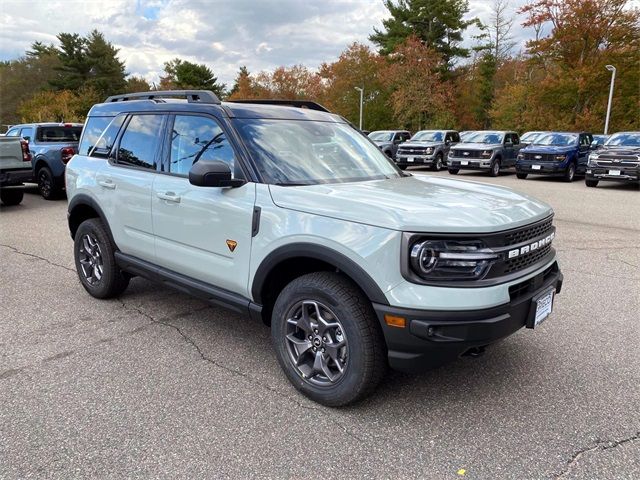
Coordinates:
193 96
286 103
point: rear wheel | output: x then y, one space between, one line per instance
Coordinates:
437 165
46 184
11 196
570 173
402 167
94 254
454 171
591 183
495 168
327 339
521 176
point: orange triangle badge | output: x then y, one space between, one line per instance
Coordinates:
232 244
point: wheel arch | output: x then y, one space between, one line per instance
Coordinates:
294 260
82 207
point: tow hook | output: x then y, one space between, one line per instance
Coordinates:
474 352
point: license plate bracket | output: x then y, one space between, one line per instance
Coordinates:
536 167
541 307
464 162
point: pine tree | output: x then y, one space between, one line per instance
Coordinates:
185 75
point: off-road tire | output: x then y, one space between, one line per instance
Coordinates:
522 176
454 171
11 196
366 360
47 185
591 183
113 281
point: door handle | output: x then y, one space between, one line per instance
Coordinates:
107 184
169 197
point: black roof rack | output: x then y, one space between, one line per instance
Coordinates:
193 96
286 103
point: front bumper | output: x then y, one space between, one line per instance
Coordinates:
469 163
402 159
625 174
433 338
15 177
541 168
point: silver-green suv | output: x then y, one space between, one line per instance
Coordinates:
284 211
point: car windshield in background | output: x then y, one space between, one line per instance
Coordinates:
624 140
557 139
381 136
296 152
59 134
531 137
484 137
427 137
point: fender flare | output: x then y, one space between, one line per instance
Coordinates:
318 252
83 199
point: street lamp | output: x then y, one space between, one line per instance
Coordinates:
612 69
361 90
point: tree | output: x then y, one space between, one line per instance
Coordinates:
243 85
74 66
288 83
438 24
487 67
357 66
420 98
106 71
499 30
58 106
136 84
184 75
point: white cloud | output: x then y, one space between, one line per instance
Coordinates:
222 34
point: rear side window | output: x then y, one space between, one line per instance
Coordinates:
26 133
139 143
59 134
99 132
198 138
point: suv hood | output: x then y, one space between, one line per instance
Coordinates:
382 144
477 146
618 151
416 143
416 204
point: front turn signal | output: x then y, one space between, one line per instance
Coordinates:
394 321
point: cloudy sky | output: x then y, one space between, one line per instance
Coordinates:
261 34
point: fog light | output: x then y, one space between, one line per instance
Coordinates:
394 321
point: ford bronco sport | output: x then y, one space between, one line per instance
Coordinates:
289 214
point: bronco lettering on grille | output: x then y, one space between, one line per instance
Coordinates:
516 252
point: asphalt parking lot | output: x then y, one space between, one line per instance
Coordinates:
157 384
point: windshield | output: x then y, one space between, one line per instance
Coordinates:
558 139
624 140
530 137
483 137
381 136
427 136
295 152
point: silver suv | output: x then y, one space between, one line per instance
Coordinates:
286 212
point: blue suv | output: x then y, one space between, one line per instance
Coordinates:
560 154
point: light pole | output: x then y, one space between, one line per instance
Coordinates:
361 90
612 69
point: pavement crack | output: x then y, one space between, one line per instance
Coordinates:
600 445
26 254
239 373
613 259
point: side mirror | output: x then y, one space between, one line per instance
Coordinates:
209 173
447 142
26 139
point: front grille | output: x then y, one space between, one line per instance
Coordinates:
617 162
531 285
528 233
467 153
525 261
544 157
412 151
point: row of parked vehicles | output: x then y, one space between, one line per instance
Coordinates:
36 152
561 154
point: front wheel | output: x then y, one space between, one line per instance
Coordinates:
327 339
437 165
522 176
11 196
495 168
454 171
591 183
570 173
46 184
94 253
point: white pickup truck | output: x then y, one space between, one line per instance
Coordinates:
15 169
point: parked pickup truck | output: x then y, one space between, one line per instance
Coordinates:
485 150
426 147
559 154
388 140
15 168
618 160
52 145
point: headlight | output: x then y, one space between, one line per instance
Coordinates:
450 260
487 153
451 153
520 156
429 150
593 161
560 158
